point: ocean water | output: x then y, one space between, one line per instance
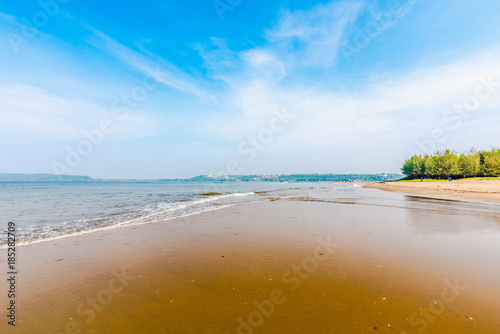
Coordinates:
48 211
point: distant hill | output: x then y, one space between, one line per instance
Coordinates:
8 177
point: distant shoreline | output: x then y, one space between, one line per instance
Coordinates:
374 177
469 190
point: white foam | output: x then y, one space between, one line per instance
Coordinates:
150 214
146 219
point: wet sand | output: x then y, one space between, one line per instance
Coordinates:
287 266
472 190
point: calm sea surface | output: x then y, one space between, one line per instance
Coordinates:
44 211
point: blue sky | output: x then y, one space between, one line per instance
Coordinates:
164 89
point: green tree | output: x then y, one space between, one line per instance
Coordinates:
430 166
438 159
469 164
449 162
490 162
407 168
414 167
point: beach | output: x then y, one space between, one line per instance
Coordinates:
348 260
472 190
250 167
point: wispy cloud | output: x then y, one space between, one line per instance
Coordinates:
219 61
299 39
296 64
393 108
10 19
152 65
27 109
312 38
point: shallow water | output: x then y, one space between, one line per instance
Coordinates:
45 211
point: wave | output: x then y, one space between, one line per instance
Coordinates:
32 234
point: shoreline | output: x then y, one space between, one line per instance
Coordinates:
210 272
468 190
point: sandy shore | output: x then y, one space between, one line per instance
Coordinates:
287 266
472 190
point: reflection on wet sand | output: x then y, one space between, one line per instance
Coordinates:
452 216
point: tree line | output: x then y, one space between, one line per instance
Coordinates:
449 163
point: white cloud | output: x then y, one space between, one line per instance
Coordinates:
284 73
33 110
154 66
219 60
41 114
299 39
312 38
393 109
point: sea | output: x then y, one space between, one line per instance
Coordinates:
44 211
